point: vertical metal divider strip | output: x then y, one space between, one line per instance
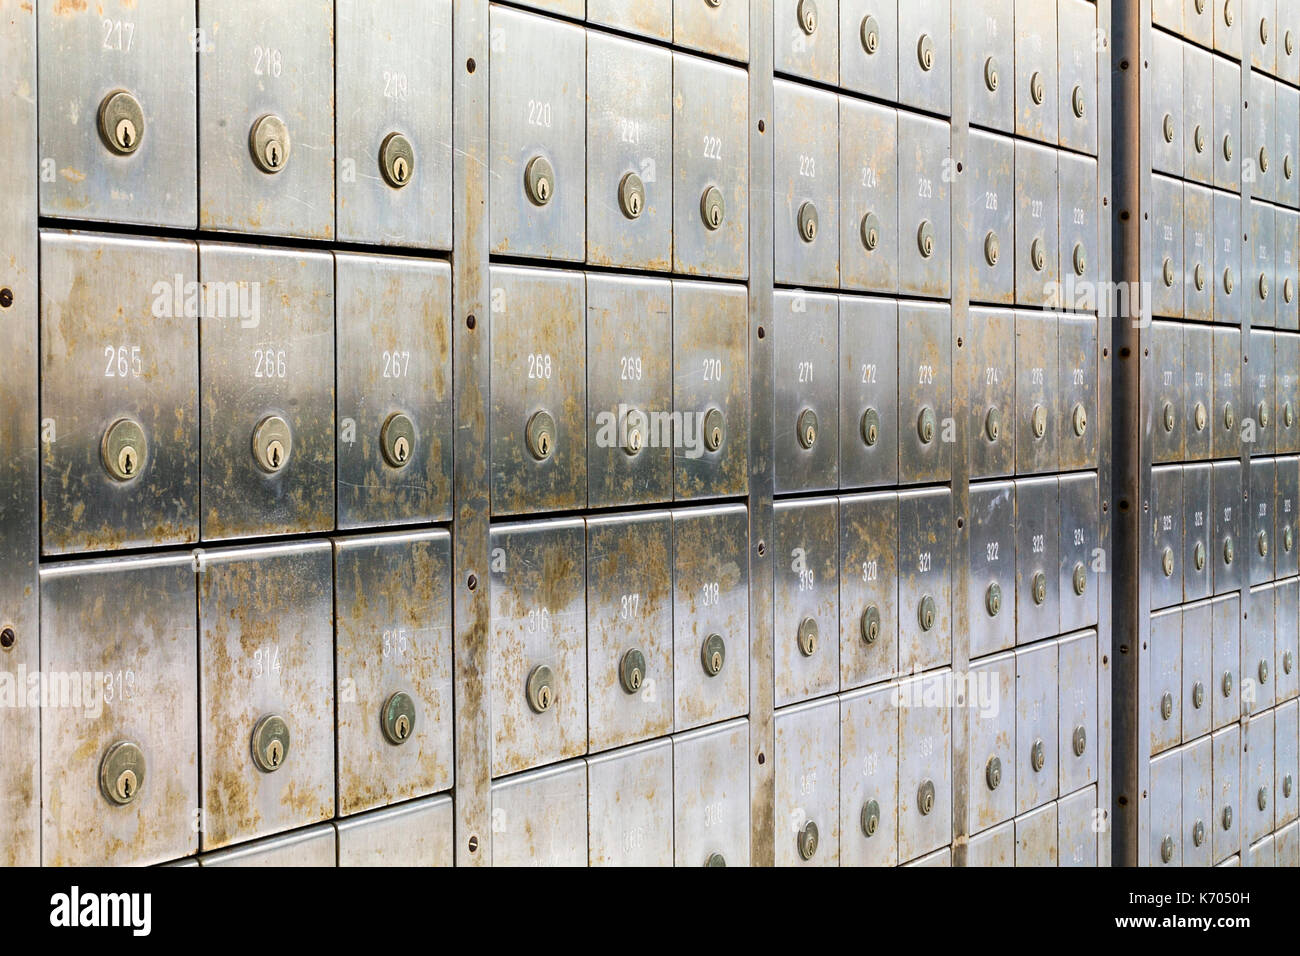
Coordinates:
1106 420
762 674
19 390
1131 436
960 346
471 324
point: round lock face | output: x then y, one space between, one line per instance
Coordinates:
1040 588
807 428
925 52
871 625
870 818
712 209
1076 101
869 34
991 78
1166 706
1262 544
1263 159
993 773
1261 798
1198 556
869 232
870 427
397 440
993 424
398 719
1263 30
1079 579
121 122
1200 416
270 743
715 859
539 181
1080 260
926 425
1167 849
1225 684
1080 741
268 141
631 196
539 435
123 450
1263 287
272 444
1198 833
925 797
1263 672
1167 562
1038 421
1227 148
1198 277
1229 282
1288 662
1169 417
714 429
808 841
1038 756
541 689
1288 413
634 432
1167 272
992 248
121 773
713 654
927 613
925 239
1079 419
1198 138
1286 786
1038 255
396 160
1226 819
631 671
993 599
808 222
808 16
1037 89
1229 551
808 637
1263 414
1167 125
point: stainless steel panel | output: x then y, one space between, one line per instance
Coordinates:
869 777
992 767
1286 139
1037 559
992 566
270 61
995 847
394 358
1077 711
806 330
1286 846
1079 248
629 612
266 648
1197 412
267 351
925 562
567 8
806 182
710 371
1037 377
1261 32
119 349
1285 769
870 232
1261 538
1259 164
807 757
1198 804
1167 367
1167 103
538 113
1286 234
1078 411
1198 544
711 796
1262 277
1231 281
985 40
1076 839
1198 684
868 588
1229 561
1037 759
1257 783
1225 667
1286 394
992 389
868 34
1198 251
629 390
806 599
1286 655
538 621
924 392
1164 705
1284 511
540 818
1080 555
313 847
924 207
1258 651
721 28
1261 854
539 369
630 806
1229 407
1037 215
1288 41
395 59
1227 143
710 599
86 54
991 230
1036 835
806 39
629 133
868 382
1228 27
1166 247
1166 810
924 765
1198 115
118 655
418 833
1036 71
1226 768
1258 431
1077 109
924 82
392 602
647 18
710 152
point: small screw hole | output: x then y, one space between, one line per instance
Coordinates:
8 638
762 127
6 297
471 66
470 322
472 582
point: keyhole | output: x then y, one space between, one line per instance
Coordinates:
401 449
399 169
544 444
127 461
274 455
543 189
273 154
126 785
402 727
544 697
125 133
274 753
635 679
634 204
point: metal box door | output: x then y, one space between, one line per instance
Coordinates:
806 192
1037 763
1079 549
1285 728
806 39
1228 818
1077 107
1227 27
1262 422
1228 270
1166 810
1288 56
869 777
1164 706
1260 508
995 847
1261 280
1037 204
807 391
1167 103
1077 410
1036 835
991 448
1198 804
807 821
1198 507
1167 510
711 796
992 764
1258 652
1198 110
314 847
1167 367
1286 133
868 579
630 806
721 28
540 818
1261 21
1226 557
924 579
1286 611
985 54
1225 416
1037 559
1037 77
1166 246
868 217
924 765
1077 834
1198 247
1197 673
538 644
990 220
806 599
868 383
393 664
925 55
1198 391
1286 392
1226 143
646 18
924 392
419 833
394 390
1079 250
1284 510
266 690
1225 666
869 47
992 586
924 206
1077 710
1257 769
1037 377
